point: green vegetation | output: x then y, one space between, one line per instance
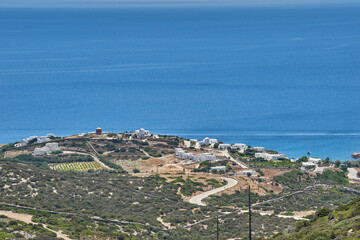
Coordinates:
261 173
152 152
56 152
44 161
249 156
205 166
107 195
297 179
262 163
214 183
189 187
343 223
8 146
333 177
11 230
110 164
78 192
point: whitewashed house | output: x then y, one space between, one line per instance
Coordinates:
47 149
314 160
178 151
52 146
258 149
41 151
188 156
240 146
181 153
205 157
306 164
208 141
224 146
43 139
218 168
23 143
142 132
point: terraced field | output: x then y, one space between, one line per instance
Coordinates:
76 166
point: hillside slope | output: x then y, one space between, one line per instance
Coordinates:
343 223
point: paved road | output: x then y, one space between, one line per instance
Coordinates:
226 154
353 174
198 198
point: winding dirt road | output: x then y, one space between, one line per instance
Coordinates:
198 198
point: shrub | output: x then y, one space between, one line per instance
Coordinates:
322 212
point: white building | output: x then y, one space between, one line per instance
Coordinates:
258 149
208 141
181 153
205 157
218 168
314 160
188 156
23 143
178 151
52 146
306 164
41 151
224 146
269 156
245 173
49 147
142 132
43 139
240 146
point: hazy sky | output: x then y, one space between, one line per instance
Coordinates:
119 3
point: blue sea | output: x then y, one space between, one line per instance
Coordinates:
287 78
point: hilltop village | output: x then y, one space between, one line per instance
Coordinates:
164 186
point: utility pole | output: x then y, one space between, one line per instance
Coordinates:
217 226
249 215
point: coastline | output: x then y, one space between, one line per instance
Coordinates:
336 145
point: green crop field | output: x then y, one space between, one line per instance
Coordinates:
76 166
